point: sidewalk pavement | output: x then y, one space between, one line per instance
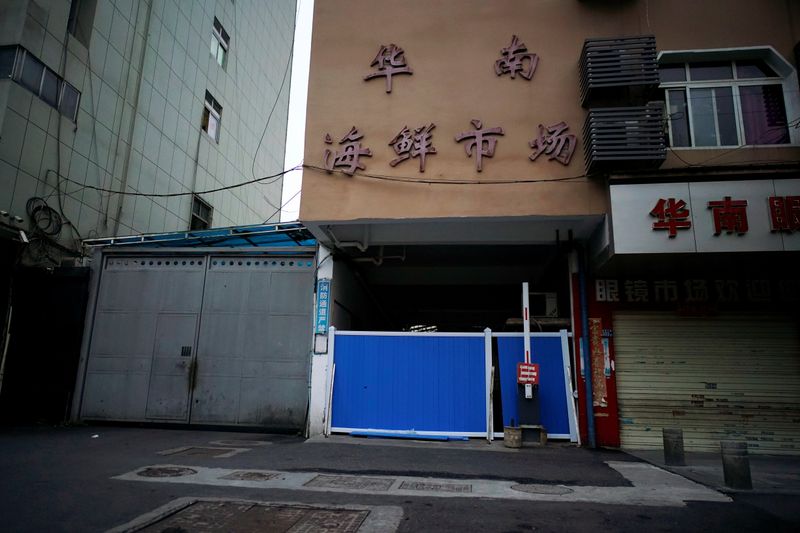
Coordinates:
771 474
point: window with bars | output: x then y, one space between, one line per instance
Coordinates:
220 42
212 116
724 103
202 213
24 68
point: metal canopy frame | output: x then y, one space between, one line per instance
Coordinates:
291 236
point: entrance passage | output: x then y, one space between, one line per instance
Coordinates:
428 383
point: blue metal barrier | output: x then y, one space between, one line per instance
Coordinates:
428 383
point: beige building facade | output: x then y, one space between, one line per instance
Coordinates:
639 168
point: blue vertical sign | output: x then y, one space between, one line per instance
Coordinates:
323 306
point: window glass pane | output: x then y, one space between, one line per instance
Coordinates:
221 56
213 127
672 73
32 71
69 101
726 117
204 122
50 87
214 46
678 117
704 128
710 71
754 69
764 114
7 54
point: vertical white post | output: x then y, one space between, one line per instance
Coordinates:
487 352
574 435
329 380
526 321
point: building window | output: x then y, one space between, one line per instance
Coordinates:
201 214
212 115
81 20
8 55
724 103
27 70
220 41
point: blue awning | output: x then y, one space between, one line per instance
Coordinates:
292 234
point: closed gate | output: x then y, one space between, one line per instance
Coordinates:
427 383
439 384
211 339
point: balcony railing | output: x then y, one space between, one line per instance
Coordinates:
624 138
617 67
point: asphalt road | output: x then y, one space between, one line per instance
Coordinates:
62 479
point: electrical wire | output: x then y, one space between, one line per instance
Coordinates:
277 98
272 177
426 181
280 208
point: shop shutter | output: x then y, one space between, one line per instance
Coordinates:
722 377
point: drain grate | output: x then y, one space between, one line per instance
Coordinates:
350 482
249 475
246 516
203 451
436 487
166 471
543 489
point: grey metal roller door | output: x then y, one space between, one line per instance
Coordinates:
254 343
202 339
730 376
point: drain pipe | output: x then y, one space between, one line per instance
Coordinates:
587 357
342 244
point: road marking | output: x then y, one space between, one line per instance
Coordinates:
652 486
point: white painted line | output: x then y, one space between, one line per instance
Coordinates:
224 453
652 486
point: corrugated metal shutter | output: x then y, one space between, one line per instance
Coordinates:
729 376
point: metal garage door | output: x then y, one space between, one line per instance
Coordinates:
731 376
202 339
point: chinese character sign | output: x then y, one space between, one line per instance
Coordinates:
323 306
729 216
784 213
514 59
671 215
555 142
390 61
347 158
482 141
418 143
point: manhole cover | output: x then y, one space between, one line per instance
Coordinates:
203 451
166 471
542 489
351 482
438 487
242 516
248 475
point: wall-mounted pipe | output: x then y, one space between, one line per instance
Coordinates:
349 244
378 261
587 357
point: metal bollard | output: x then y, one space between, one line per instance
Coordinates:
673 447
736 465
